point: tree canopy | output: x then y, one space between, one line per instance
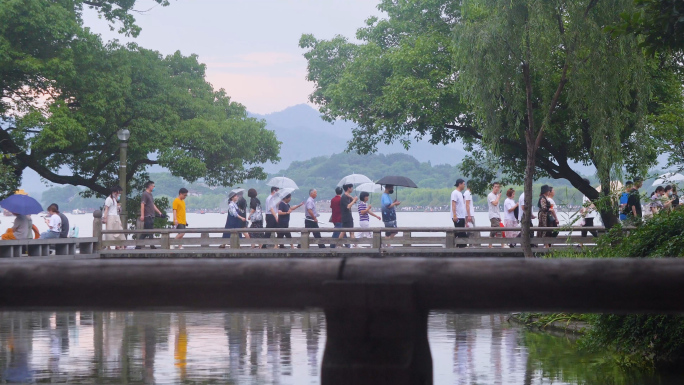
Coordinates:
451 70
66 93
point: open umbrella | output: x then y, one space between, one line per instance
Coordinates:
282 182
397 181
354 179
21 204
237 190
668 178
281 194
369 188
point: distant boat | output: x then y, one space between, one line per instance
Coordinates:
6 213
77 212
203 212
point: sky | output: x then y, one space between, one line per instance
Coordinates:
250 47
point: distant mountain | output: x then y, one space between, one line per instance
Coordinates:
305 135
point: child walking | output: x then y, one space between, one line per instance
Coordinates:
364 215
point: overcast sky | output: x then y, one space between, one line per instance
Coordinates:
250 47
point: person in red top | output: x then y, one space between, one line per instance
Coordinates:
336 217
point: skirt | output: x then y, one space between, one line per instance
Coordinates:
511 223
257 225
114 223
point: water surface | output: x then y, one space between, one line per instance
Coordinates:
274 348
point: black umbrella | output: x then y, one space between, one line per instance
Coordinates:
395 180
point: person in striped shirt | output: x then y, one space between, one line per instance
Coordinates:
364 215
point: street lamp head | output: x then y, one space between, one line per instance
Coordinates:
123 134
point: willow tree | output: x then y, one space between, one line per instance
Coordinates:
439 70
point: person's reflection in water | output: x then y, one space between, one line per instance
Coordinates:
149 351
272 361
311 323
236 331
181 347
62 322
256 341
17 365
460 357
286 344
495 347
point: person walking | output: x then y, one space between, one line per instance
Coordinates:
553 214
364 215
179 217
271 212
470 208
111 217
234 219
458 209
493 204
633 207
336 216
54 223
284 211
242 209
311 215
347 201
256 215
623 200
544 208
510 220
389 212
588 213
147 211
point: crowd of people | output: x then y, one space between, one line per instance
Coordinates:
277 210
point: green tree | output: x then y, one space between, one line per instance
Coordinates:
412 77
67 114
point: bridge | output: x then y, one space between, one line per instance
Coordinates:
376 306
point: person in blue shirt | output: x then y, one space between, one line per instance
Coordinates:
389 213
623 199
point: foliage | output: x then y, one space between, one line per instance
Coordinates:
68 94
639 339
400 83
659 22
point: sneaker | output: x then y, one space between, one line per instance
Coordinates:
153 247
138 247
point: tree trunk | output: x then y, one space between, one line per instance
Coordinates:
529 178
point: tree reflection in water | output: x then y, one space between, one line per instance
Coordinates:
273 348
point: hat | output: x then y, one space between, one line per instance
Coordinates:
231 195
459 181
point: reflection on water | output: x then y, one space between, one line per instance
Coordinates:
273 348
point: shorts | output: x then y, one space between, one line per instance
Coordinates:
348 224
181 226
390 224
495 222
364 234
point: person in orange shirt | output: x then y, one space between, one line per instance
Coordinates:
179 219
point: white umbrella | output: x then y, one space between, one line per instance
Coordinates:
237 190
354 179
281 194
369 188
282 183
668 178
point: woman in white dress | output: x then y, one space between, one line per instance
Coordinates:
111 218
510 219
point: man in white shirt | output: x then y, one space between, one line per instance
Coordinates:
493 204
458 209
470 208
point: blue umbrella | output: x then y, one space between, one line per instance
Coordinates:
21 204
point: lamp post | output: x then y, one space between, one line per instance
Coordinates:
123 136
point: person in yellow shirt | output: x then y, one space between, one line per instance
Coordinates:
179 212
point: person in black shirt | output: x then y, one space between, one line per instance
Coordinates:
242 210
256 215
633 208
284 211
346 204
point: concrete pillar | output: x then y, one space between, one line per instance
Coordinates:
376 334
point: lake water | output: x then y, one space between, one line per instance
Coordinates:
215 220
274 348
